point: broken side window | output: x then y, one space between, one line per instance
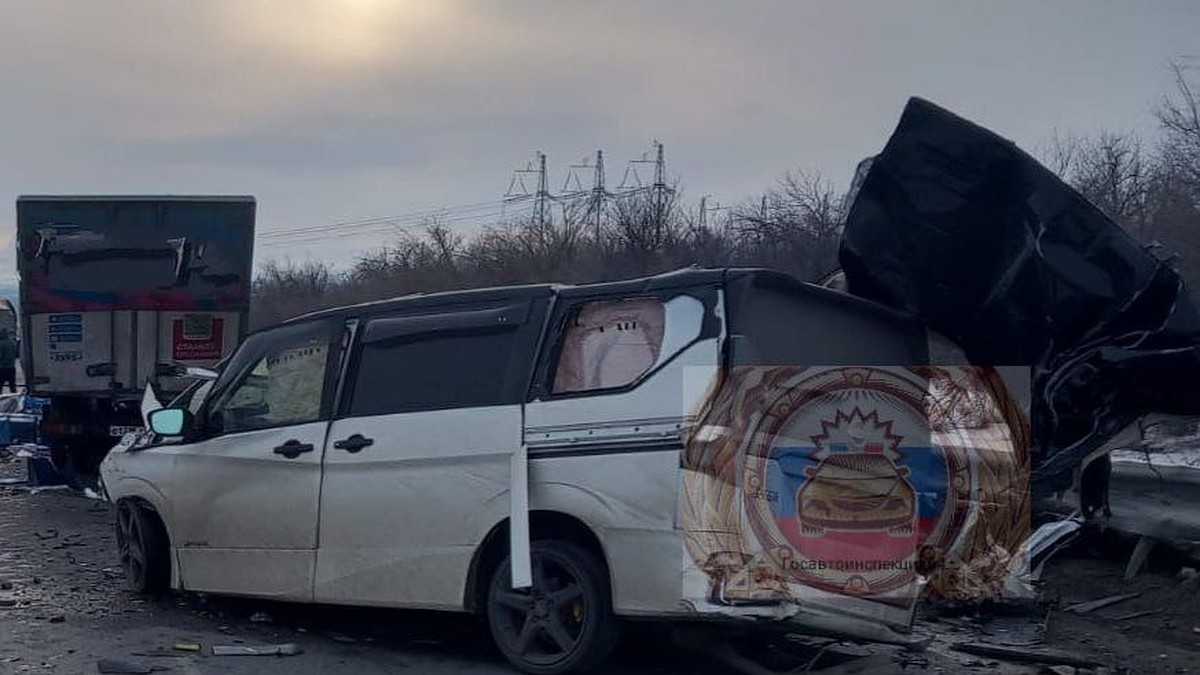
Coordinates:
285 386
613 343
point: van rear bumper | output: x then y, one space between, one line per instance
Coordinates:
647 577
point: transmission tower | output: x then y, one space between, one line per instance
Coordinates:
543 192
705 209
660 190
518 191
572 197
599 194
626 188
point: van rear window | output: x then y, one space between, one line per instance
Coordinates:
610 344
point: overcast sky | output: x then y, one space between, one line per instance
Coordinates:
335 110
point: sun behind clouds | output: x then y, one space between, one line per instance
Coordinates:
339 33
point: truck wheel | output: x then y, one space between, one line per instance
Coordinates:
565 623
143 549
71 467
64 465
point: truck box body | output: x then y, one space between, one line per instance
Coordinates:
117 292
115 289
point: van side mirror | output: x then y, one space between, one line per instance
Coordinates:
172 422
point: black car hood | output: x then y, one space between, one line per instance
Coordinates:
960 227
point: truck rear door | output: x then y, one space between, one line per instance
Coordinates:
115 289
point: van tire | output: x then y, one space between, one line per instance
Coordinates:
143 549
565 623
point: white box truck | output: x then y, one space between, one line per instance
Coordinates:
119 291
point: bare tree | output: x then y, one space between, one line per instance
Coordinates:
810 200
1061 153
283 290
1179 117
1112 171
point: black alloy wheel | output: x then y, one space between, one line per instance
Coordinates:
142 548
564 623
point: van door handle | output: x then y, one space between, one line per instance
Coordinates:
293 448
354 443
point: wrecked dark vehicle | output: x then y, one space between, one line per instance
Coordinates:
960 227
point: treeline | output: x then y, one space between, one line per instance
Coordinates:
794 228
1150 187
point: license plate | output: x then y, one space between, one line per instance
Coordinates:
121 431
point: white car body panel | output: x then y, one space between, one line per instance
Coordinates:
414 505
629 499
244 519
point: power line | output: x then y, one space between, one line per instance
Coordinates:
378 228
404 217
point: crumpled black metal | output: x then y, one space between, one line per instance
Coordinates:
959 226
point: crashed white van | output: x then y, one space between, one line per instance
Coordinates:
728 445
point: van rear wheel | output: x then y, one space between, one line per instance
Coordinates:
565 623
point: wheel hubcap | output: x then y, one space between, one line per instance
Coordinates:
545 623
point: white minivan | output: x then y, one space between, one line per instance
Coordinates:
717 444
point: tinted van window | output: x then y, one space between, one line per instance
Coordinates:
432 371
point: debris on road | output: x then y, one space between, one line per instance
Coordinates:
879 664
1046 657
1049 539
1137 560
857 664
1136 615
123 667
1016 631
186 646
288 649
47 488
1091 605
260 617
155 653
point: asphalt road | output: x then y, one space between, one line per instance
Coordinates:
64 606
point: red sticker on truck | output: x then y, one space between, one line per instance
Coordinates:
197 337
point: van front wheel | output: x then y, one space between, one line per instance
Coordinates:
564 623
143 549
